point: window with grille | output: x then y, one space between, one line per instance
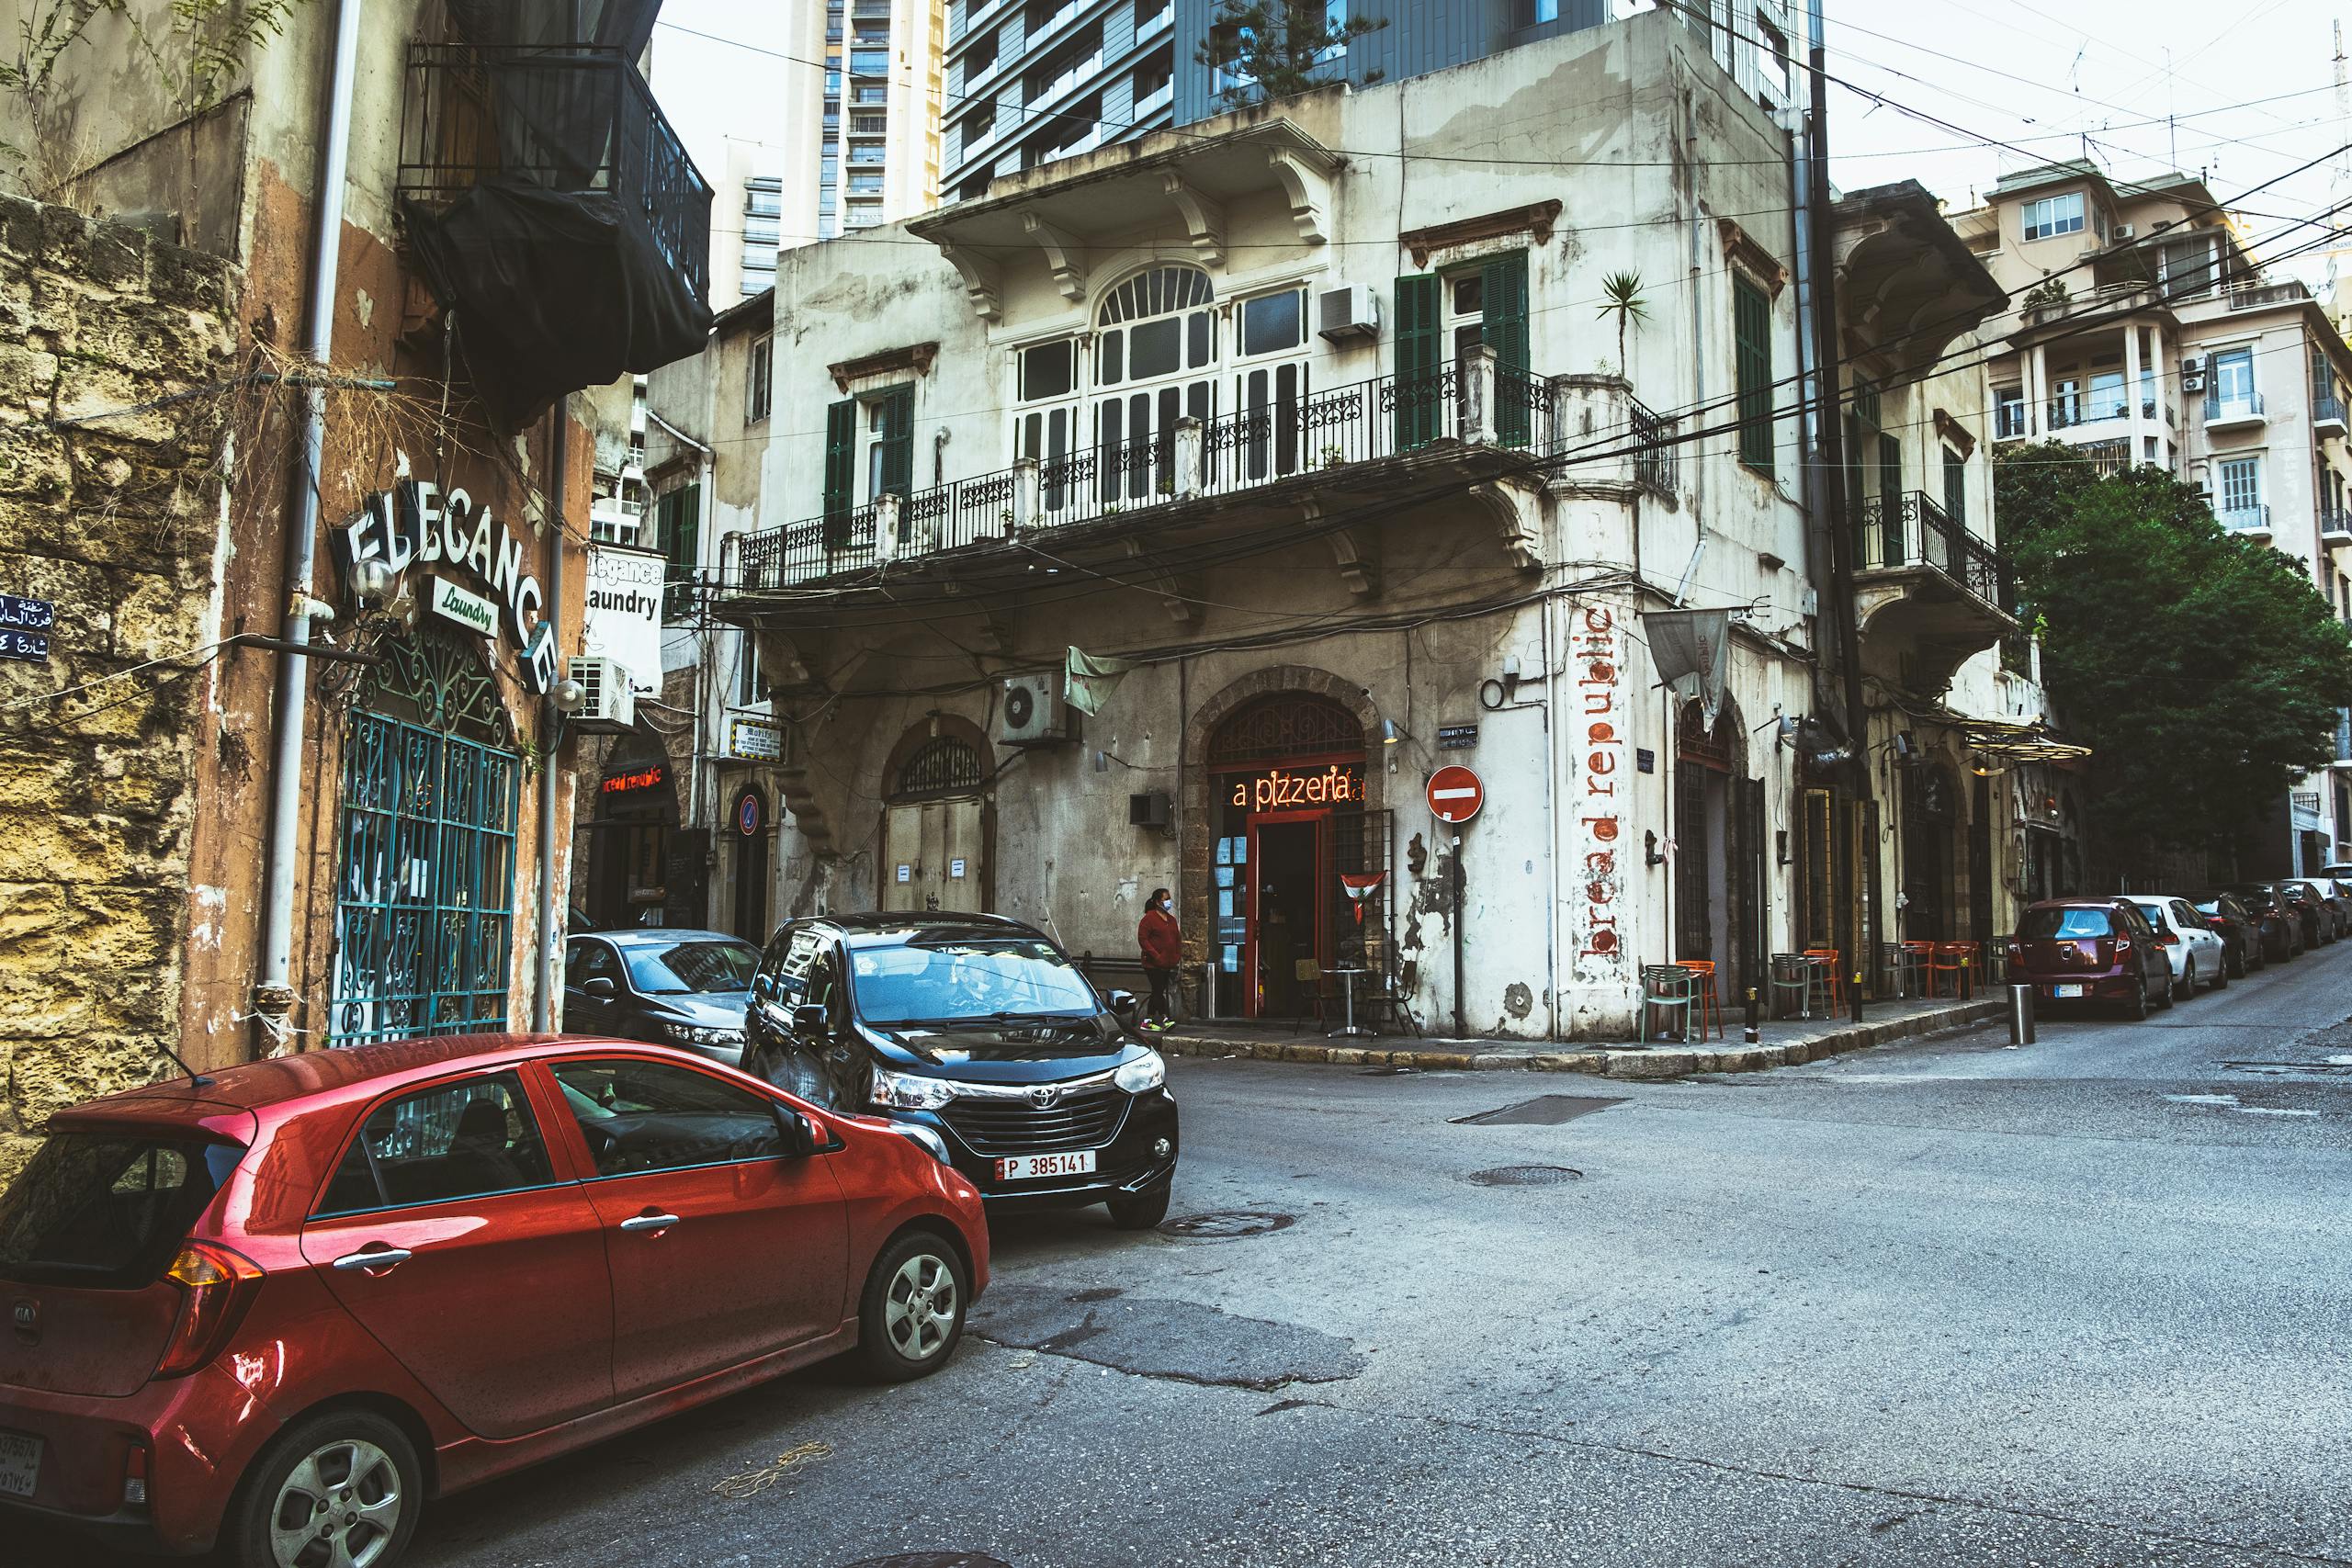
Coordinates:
1752 356
942 766
2241 484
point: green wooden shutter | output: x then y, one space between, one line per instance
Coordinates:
1418 397
1503 328
898 440
1956 488
1752 357
1890 497
841 467
678 516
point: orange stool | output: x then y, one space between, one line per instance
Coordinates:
1837 979
1710 1002
1955 959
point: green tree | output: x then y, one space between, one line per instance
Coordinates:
1272 49
2204 669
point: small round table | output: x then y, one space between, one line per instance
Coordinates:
1348 999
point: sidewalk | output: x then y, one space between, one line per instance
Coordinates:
1783 1042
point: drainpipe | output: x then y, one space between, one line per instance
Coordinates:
551 717
274 992
707 698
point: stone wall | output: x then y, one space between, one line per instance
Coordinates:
113 357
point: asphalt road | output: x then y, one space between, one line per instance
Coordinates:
2084 1302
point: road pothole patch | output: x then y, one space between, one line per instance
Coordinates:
1525 1176
1543 1111
1228 1225
1156 1338
2230 1102
932 1559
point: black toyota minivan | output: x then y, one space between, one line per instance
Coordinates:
975 1033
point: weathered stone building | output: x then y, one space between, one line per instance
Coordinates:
110 515
1313 423
366 832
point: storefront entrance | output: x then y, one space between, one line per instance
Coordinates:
1287 783
425 890
641 870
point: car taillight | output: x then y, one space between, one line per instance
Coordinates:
2170 938
2122 944
219 1285
134 1476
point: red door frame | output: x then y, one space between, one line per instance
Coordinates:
1253 991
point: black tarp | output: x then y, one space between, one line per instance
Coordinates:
554 291
577 257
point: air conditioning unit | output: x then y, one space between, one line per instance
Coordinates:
2193 365
1033 713
1149 810
2192 381
609 706
2123 232
1349 314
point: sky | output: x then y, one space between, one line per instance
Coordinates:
2013 81
2031 81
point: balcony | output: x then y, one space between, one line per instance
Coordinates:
1350 445
2336 528
2072 414
2267 295
2238 410
1159 98
1951 594
2327 415
2252 520
512 150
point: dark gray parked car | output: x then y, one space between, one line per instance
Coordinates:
685 988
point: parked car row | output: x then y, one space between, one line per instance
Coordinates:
2147 951
275 1308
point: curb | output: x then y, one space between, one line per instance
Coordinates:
1600 1060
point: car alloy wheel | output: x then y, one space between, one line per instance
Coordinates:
340 1506
912 1313
2187 992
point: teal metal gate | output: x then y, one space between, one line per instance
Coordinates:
425 902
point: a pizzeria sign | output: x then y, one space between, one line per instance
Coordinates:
1282 789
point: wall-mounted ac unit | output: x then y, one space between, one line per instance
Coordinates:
2123 232
1347 315
609 706
2193 365
2193 382
1033 714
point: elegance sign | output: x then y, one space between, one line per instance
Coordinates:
414 524
469 610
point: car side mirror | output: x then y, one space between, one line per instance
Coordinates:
1123 1006
810 1021
600 987
799 1134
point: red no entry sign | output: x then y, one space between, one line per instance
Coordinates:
1455 794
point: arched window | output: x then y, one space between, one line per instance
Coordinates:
941 766
1716 748
1284 727
1154 347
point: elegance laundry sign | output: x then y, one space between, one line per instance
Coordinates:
413 523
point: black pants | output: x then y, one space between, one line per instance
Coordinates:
1161 1003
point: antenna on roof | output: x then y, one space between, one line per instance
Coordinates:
195 1078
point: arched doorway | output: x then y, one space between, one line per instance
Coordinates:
934 825
1290 797
425 890
1715 882
637 865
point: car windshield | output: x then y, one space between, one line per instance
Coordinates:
2065 925
692 967
106 1209
2156 912
969 979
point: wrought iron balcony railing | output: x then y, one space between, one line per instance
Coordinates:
569 118
2253 518
2328 409
1279 441
1911 530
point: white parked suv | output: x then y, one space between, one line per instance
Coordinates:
2189 941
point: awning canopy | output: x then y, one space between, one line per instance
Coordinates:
2017 742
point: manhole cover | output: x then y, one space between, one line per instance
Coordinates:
932 1559
1227 1223
1543 1111
1526 1176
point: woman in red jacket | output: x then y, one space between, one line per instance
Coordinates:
1163 949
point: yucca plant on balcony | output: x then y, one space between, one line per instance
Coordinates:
1621 296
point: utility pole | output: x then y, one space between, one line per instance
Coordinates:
1845 853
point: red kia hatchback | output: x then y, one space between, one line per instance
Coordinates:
281 1306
